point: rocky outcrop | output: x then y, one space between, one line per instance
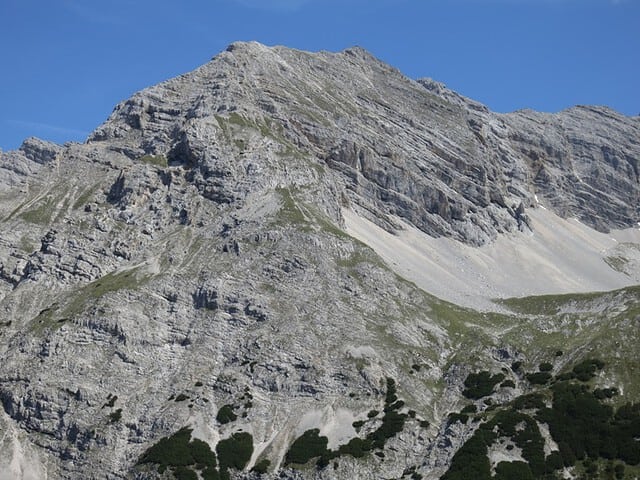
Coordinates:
412 149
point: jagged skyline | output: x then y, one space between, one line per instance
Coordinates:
70 61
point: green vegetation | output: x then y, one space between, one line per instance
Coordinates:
479 385
262 466
538 378
226 415
156 160
111 401
234 452
589 432
586 370
545 367
513 471
508 384
185 457
115 416
55 315
309 445
181 455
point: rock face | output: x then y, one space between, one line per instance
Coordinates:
191 255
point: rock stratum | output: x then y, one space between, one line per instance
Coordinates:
283 241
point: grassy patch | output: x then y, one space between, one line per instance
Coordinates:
88 295
155 160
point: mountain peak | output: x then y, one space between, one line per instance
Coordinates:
257 259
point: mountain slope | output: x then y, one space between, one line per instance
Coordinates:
194 258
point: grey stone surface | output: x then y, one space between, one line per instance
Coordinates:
194 245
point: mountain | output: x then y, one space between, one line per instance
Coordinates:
286 256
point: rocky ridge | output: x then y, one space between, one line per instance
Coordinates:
194 247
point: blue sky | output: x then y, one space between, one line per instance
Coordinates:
64 64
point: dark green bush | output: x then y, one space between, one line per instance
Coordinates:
357 447
170 451
178 453
545 367
115 416
469 409
471 461
373 413
481 384
111 401
202 454
235 451
458 417
184 473
181 398
553 462
586 369
226 415
602 393
262 466
392 424
508 384
539 378
358 424
513 471
210 473
309 445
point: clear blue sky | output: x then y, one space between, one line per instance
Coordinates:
64 64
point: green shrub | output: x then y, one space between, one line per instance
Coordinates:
309 445
181 398
235 451
157 160
586 370
171 451
392 424
202 454
357 447
539 378
176 451
554 462
358 424
226 415
115 416
262 466
545 367
111 401
508 384
481 384
184 473
470 461
458 417
372 413
513 471
210 474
